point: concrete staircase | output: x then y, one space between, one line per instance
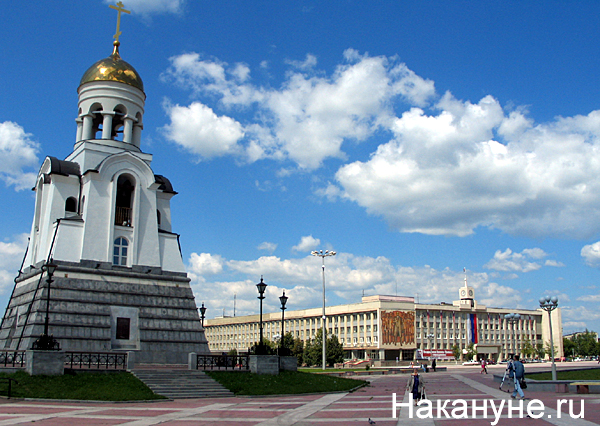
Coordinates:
179 383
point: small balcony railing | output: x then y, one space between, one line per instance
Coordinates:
122 216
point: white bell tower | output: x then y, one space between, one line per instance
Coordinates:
104 218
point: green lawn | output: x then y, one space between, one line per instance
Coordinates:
120 386
593 374
286 382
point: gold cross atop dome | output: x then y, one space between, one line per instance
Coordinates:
119 8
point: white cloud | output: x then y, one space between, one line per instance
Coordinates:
448 167
205 264
17 154
593 298
445 173
577 318
307 243
591 254
270 247
509 261
11 256
347 277
199 130
310 116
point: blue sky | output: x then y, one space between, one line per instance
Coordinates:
414 138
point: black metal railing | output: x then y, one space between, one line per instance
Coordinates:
123 216
12 358
222 362
96 360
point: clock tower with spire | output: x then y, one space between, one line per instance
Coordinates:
466 295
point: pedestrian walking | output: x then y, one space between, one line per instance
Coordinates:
517 373
416 385
483 366
433 364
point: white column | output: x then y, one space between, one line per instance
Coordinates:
128 129
79 122
137 134
107 119
87 127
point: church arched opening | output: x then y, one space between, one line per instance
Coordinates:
123 206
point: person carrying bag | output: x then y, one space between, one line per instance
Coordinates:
518 374
416 385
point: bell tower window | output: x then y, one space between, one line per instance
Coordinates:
117 123
70 206
97 122
120 252
123 210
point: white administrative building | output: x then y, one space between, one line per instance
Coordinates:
390 328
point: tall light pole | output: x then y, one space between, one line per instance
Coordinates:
513 319
283 299
549 304
323 254
430 336
261 286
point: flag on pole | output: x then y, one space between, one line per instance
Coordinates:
473 338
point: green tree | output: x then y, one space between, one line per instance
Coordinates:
585 343
471 351
540 350
232 352
456 352
313 350
335 351
298 350
288 341
569 346
548 350
528 350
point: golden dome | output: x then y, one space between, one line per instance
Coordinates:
113 68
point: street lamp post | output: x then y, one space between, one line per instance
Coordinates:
202 312
513 319
323 254
549 304
261 286
283 299
430 336
45 341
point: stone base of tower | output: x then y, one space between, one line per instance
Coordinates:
99 307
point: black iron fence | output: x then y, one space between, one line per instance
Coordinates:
12 358
222 362
96 360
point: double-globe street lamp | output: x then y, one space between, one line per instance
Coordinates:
323 254
261 286
513 319
549 304
45 341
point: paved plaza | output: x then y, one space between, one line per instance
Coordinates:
374 402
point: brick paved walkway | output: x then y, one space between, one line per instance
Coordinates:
373 402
